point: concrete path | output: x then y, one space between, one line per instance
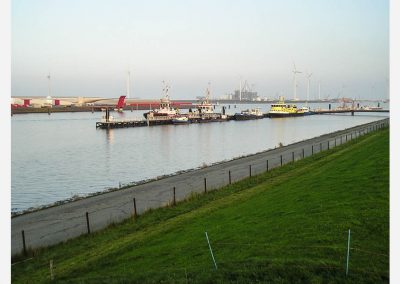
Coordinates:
57 224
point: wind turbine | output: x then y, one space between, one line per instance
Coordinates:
295 71
308 86
128 84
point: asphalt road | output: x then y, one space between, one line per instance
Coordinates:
57 224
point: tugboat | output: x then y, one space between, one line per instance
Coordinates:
283 110
204 111
165 106
248 114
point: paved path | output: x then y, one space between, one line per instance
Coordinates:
56 224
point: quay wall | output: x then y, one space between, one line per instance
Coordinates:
56 224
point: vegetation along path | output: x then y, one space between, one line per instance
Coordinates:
287 225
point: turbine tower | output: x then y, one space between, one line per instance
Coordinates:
308 86
319 90
128 84
295 71
49 85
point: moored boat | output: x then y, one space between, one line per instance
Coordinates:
165 109
249 114
180 120
284 110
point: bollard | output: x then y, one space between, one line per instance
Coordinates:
23 242
250 170
174 197
303 153
230 179
205 185
281 161
87 222
134 207
267 166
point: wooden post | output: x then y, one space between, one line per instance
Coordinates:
281 161
230 179
328 144
267 166
292 157
335 142
303 153
205 185
23 242
87 222
341 140
312 149
134 208
174 197
320 147
51 270
346 137
250 170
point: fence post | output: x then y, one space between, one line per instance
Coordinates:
320 147
292 156
51 270
267 166
250 170
303 153
205 185
335 142
341 140
328 145
230 179
174 197
312 149
346 137
348 254
87 222
23 242
281 161
134 208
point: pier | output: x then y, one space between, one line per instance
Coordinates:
109 123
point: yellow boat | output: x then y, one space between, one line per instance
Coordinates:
284 110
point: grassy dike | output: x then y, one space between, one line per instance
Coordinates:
288 225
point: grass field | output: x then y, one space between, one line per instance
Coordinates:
288 225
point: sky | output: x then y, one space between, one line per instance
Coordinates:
88 47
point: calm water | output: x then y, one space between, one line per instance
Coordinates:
57 156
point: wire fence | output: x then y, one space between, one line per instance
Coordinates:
241 259
48 230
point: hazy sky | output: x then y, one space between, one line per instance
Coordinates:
88 46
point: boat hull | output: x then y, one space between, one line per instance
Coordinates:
246 117
275 115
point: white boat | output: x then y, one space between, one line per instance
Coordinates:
180 120
165 106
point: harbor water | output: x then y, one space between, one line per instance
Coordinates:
62 155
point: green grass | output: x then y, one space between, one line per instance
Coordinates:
288 225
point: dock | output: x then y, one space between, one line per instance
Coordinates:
109 123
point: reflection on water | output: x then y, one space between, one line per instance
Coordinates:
55 157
